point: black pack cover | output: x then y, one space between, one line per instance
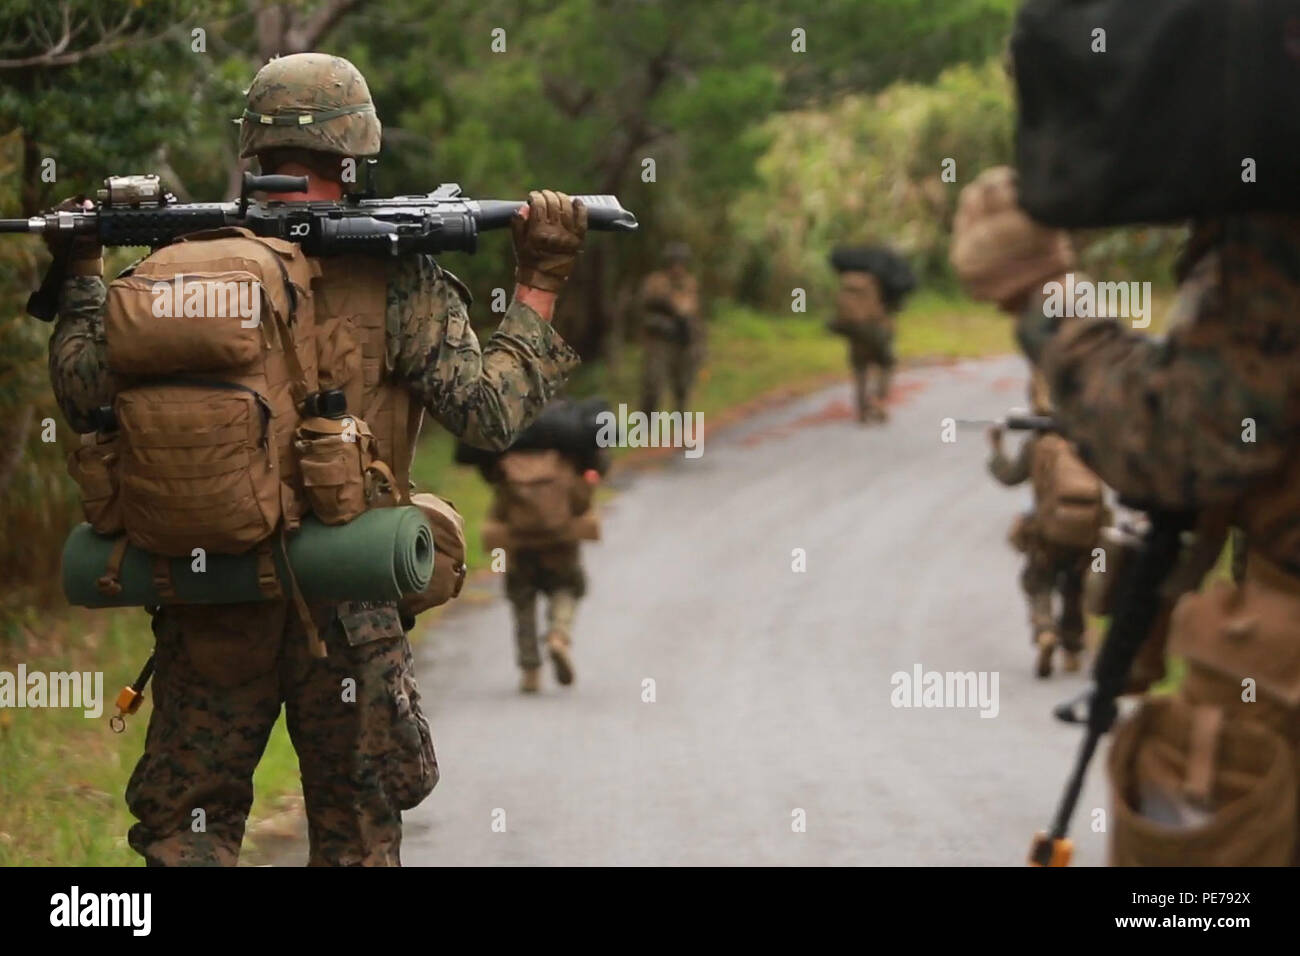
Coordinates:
1157 127
895 274
567 426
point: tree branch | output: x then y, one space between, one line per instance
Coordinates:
306 36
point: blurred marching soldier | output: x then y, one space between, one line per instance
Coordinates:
1056 537
544 487
1198 427
672 329
873 283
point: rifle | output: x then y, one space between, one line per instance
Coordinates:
1015 420
134 211
1138 601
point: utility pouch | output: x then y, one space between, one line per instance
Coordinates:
93 466
197 467
449 568
1193 787
1229 634
335 455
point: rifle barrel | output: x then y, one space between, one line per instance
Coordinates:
604 214
35 224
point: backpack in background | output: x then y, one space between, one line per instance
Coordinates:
535 497
858 303
1068 501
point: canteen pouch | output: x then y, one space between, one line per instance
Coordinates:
93 466
1191 787
449 568
1236 638
336 456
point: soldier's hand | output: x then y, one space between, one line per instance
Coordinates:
83 252
547 233
997 251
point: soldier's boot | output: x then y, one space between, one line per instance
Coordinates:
1071 661
885 375
561 611
558 646
1045 641
530 680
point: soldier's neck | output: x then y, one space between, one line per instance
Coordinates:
317 187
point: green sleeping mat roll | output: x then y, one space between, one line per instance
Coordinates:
380 556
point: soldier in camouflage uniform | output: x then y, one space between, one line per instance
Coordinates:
223 672
1162 420
672 329
863 317
1049 567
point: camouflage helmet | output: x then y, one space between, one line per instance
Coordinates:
309 101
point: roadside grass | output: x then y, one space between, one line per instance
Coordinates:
63 775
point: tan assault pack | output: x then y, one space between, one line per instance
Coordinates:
541 501
858 303
211 340
1069 505
216 341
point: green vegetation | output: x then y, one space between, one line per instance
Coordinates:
61 792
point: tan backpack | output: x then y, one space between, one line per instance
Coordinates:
210 338
858 302
1069 505
536 497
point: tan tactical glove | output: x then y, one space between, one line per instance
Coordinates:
85 254
548 240
997 251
